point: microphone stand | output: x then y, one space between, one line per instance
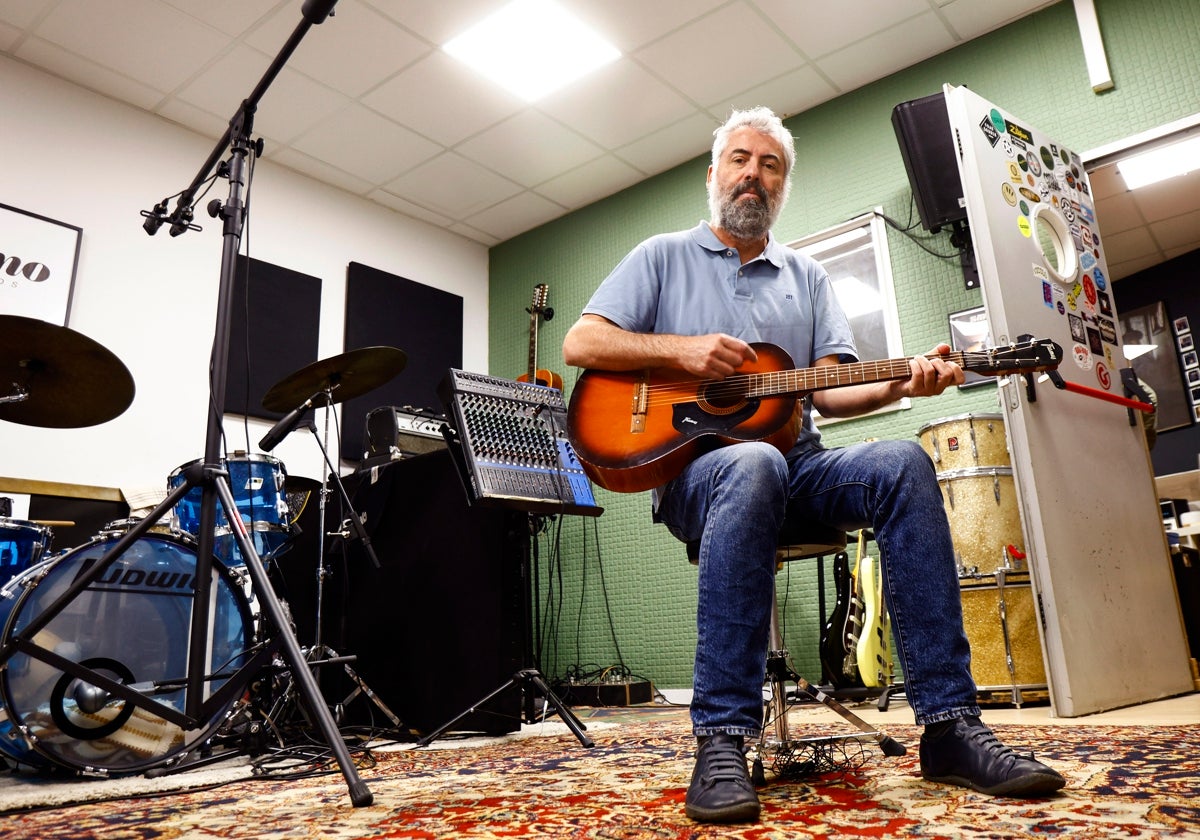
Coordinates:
237 137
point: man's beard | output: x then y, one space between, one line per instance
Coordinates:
746 220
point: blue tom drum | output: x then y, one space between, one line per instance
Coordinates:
22 544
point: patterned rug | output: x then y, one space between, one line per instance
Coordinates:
1141 782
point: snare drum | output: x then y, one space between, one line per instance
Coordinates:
131 625
965 442
256 482
981 505
1001 625
22 544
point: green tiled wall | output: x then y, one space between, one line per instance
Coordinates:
622 568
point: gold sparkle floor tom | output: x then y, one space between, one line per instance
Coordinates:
1000 619
966 441
981 505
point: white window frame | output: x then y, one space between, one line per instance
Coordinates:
825 247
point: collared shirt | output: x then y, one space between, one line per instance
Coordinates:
690 283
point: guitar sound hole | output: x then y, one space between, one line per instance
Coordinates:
721 398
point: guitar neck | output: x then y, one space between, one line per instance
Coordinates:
533 331
834 376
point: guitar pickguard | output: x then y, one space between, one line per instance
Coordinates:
690 418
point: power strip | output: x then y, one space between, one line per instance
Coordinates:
608 694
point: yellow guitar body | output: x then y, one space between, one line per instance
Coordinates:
874 648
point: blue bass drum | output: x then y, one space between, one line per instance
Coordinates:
132 624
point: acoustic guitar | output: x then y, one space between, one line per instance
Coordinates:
634 430
537 311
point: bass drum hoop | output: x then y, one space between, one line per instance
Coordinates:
40 752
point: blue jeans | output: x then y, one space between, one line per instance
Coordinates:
734 500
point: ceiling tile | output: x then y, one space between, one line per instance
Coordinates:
1118 213
437 22
25 13
708 65
971 18
464 104
591 182
1177 231
516 215
673 145
1105 182
320 170
9 35
81 71
602 108
453 185
819 27
1131 244
474 234
1169 198
359 141
351 52
233 17
886 52
787 95
291 105
180 43
529 148
630 24
400 205
197 119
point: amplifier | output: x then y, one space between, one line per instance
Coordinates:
398 432
510 445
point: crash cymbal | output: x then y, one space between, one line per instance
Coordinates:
349 375
69 380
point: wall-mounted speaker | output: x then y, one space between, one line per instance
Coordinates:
927 146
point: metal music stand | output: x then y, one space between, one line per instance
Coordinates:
211 477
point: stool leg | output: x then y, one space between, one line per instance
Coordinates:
778 673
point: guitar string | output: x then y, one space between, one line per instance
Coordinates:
739 384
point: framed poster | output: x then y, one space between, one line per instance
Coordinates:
38 258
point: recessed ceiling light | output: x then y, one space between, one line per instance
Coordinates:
532 48
1160 164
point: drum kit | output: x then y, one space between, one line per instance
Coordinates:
81 652
970 453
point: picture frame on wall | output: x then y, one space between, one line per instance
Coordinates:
1193 376
969 332
1150 344
38 260
1185 342
1181 325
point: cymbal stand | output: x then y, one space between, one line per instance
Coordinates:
320 653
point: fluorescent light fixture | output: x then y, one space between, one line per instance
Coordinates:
1160 164
532 48
1132 351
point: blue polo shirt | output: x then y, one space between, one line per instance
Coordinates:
689 283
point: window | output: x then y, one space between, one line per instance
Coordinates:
855 255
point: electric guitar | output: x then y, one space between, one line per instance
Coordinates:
839 638
874 653
634 430
537 310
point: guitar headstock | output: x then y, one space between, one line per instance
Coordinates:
538 305
1025 357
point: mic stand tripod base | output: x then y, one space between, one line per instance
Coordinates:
524 678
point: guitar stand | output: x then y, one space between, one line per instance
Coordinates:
525 678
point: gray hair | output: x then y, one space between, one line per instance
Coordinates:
764 121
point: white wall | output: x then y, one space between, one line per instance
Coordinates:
86 160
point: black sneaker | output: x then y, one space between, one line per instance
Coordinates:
721 790
965 752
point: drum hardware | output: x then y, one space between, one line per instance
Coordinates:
331 381
202 699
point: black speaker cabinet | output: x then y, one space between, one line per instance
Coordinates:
441 624
927 146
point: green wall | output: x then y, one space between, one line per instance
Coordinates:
622 582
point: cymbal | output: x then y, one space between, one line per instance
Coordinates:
71 380
347 376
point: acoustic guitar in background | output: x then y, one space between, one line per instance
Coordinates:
537 312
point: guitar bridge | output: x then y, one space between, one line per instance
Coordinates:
637 423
